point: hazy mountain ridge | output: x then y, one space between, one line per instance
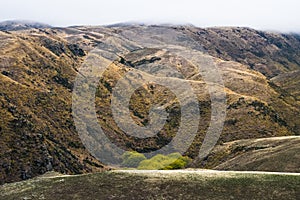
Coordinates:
16 25
38 132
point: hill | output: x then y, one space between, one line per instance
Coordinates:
16 25
157 185
277 154
39 67
289 82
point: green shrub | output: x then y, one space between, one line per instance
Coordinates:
171 161
132 159
149 165
179 163
174 155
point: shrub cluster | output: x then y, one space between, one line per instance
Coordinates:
132 159
162 162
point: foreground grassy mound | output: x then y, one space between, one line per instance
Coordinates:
157 185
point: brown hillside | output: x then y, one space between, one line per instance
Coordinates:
38 68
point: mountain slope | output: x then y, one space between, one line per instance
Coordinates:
39 66
289 82
269 53
37 132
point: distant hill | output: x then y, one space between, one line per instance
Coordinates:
38 66
16 25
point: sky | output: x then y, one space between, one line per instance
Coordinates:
275 15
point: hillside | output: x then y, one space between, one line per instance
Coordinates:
39 65
157 185
37 132
289 82
267 52
277 154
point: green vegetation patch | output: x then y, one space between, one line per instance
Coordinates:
163 162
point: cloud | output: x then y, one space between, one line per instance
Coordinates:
281 15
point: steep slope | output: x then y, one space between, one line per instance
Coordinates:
37 132
267 52
290 82
39 66
250 101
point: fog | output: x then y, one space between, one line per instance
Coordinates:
276 15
